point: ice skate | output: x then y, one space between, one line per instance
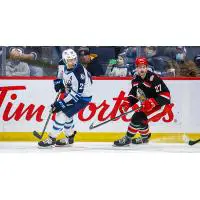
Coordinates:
49 142
141 139
66 141
125 141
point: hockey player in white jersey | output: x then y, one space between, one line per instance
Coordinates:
75 81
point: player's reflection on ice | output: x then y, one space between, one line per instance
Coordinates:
26 147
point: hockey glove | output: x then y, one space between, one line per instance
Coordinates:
58 106
136 107
126 105
58 85
149 104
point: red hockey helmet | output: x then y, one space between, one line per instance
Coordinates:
141 60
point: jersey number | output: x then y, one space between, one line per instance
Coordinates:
158 88
81 86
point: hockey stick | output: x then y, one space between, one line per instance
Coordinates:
192 142
35 133
92 126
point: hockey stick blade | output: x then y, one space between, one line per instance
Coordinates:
191 142
91 126
37 135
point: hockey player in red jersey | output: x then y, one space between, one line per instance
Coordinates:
148 95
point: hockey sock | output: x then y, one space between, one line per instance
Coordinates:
69 128
56 129
131 131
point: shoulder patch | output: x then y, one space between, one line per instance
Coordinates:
82 76
151 77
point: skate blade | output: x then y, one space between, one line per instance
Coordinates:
48 147
139 144
127 145
62 146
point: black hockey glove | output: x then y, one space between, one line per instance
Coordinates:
61 106
58 85
58 106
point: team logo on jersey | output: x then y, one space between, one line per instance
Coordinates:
140 95
151 78
82 76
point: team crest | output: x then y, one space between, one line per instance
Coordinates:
140 95
151 78
82 76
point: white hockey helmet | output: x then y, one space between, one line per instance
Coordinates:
69 57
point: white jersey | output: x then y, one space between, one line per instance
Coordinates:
77 81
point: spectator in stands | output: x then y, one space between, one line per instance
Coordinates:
181 53
197 60
170 52
159 64
130 56
16 67
90 61
29 55
188 69
183 66
117 67
33 54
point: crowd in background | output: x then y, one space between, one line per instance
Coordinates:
101 61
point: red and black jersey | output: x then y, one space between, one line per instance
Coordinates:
150 87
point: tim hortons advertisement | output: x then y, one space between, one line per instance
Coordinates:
25 105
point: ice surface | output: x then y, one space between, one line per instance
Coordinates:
26 147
